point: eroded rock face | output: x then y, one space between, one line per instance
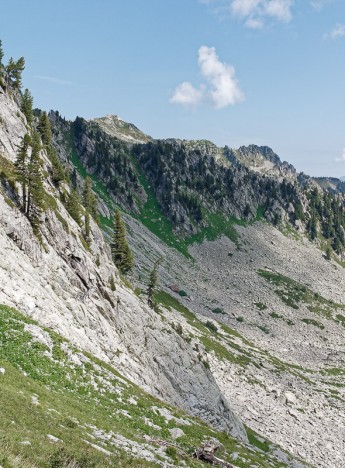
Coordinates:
12 126
58 283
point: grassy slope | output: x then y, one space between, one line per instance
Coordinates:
47 390
293 294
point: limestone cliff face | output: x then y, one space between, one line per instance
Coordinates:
58 282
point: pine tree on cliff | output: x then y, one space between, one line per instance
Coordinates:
21 165
57 169
151 289
14 72
87 227
45 130
35 204
73 206
121 252
89 199
1 56
26 106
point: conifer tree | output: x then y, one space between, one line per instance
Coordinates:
35 204
87 226
14 72
151 289
21 165
1 55
26 106
89 199
112 283
44 128
121 252
73 206
58 171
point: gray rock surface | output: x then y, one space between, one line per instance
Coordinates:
58 283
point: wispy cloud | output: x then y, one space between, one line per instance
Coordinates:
54 80
319 4
336 32
341 158
255 13
220 85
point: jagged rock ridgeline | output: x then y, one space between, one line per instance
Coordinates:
193 183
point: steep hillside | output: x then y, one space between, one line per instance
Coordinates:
57 269
249 311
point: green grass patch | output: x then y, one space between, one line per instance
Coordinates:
313 322
294 294
44 392
260 305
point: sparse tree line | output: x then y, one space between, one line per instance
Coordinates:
11 74
30 175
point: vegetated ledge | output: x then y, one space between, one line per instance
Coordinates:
63 406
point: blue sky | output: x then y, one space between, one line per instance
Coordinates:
269 72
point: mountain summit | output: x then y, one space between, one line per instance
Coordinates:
116 127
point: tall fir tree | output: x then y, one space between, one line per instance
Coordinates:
121 252
14 72
35 204
87 227
90 200
153 280
73 206
26 106
21 165
57 170
45 129
1 56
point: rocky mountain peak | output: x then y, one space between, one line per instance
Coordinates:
115 126
261 159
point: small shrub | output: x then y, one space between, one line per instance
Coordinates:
313 322
171 452
218 310
206 364
275 315
264 329
211 326
178 328
240 319
260 305
182 293
69 423
112 283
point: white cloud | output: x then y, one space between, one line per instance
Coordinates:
256 12
336 32
224 90
341 158
187 95
220 88
319 4
54 80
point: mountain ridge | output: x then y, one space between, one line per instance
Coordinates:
248 308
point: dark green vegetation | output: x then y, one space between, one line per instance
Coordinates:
293 294
49 388
185 192
121 252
